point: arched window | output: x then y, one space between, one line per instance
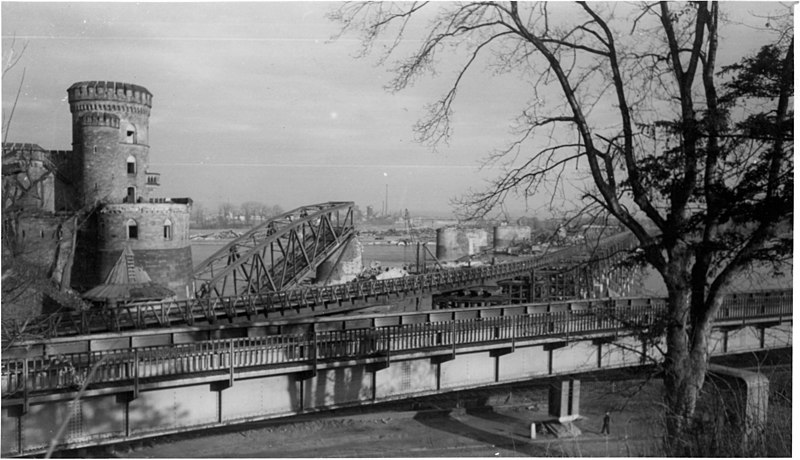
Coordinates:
130 134
167 229
131 197
131 163
133 229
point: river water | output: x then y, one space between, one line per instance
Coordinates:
650 283
386 255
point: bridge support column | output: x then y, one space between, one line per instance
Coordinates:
746 397
342 266
564 400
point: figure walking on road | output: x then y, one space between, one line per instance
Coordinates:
606 424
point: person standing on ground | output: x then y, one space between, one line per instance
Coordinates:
606 424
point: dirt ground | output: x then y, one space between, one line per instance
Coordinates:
491 422
500 427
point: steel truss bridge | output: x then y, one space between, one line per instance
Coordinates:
303 238
143 371
276 255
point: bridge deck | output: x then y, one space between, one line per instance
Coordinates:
342 297
60 364
152 383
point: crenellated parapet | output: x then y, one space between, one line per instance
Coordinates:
109 91
100 119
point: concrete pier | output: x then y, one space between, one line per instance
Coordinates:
564 400
746 393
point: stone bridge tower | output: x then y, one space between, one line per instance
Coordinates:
110 141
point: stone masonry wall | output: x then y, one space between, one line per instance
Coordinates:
38 237
167 259
111 124
97 146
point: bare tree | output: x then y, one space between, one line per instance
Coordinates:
10 60
695 162
251 209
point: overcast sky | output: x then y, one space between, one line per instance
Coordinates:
252 101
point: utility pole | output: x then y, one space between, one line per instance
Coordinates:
386 202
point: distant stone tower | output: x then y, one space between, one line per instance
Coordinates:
110 140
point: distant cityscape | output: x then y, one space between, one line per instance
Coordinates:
401 225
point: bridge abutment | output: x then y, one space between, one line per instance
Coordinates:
741 400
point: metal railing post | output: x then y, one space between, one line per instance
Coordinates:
314 349
25 372
455 335
135 373
230 359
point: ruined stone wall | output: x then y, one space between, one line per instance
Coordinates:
85 272
68 173
38 237
454 242
506 236
349 266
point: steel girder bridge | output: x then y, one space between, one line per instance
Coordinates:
149 383
276 255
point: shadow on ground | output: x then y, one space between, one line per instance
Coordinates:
485 426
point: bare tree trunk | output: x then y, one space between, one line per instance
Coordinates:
686 362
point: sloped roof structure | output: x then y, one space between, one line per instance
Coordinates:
127 282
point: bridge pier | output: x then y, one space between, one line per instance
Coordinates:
342 266
564 400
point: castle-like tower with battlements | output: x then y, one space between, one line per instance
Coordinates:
110 140
106 176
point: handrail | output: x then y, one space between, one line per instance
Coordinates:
48 373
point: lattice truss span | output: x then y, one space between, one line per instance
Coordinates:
277 254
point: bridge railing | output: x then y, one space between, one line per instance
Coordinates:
69 370
164 313
143 315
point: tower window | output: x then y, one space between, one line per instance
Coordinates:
133 229
131 197
130 134
167 229
131 165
